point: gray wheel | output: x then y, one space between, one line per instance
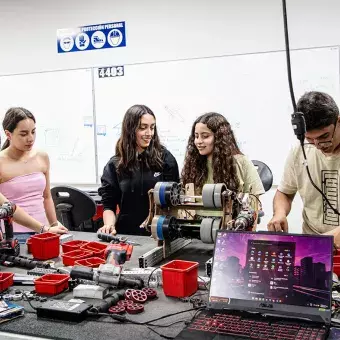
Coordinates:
219 188
167 194
208 196
156 193
216 226
154 226
205 230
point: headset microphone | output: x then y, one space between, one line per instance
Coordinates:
299 125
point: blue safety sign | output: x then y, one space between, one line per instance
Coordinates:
92 37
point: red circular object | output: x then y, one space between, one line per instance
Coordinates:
139 296
128 294
150 293
134 308
117 309
124 303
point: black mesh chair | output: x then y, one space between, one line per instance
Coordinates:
265 174
73 207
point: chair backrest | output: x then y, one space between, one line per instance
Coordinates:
265 174
73 206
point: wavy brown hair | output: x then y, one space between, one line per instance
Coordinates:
126 147
195 168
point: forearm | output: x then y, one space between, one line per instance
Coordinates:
50 210
21 217
109 217
282 203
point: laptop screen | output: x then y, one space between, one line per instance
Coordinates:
272 269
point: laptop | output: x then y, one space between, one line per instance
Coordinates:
267 286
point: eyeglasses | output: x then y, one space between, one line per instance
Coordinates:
324 144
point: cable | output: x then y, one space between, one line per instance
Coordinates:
205 284
257 199
144 323
298 120
285 23
161 335
29 302
150 276
336 211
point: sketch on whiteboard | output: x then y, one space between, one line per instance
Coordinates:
75 154
174 113
117 128
52 137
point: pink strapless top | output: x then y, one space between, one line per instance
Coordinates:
27 192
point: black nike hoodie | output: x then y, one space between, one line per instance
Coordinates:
130 191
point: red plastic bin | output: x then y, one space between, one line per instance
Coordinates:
180 278
51 284
336 268
45 246
29 245
336 259
96 247
6 280
73 245
92 262
70 257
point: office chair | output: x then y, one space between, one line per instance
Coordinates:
73 207
265 174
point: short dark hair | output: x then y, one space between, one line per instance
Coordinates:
319 109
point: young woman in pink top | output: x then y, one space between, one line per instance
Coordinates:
24 172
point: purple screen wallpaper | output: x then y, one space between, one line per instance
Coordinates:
287 269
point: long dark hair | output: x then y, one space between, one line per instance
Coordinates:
225 147
12 117
126 147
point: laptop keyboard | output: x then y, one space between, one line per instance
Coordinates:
229 324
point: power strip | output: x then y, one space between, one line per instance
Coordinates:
63 310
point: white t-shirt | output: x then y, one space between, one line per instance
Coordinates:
318 218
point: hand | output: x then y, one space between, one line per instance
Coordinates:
59 229
107 229
278 223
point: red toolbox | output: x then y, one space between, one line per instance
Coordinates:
92 262
51 284
73 245
45 246
96 247
70 257
6 280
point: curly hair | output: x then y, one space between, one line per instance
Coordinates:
195 168
126 145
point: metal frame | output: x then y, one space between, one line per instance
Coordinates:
160 253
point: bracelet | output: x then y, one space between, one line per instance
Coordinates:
54 224
42 229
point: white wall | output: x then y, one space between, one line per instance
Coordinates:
160 30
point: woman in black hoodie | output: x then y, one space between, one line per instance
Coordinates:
139 163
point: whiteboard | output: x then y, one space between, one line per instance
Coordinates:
250 90
62 103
